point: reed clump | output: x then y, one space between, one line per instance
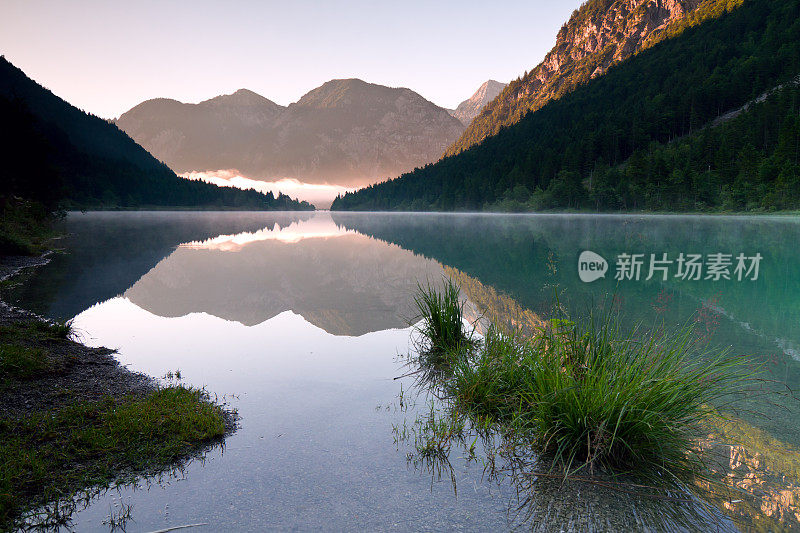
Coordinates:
592 397
440 322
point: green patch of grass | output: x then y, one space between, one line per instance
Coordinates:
488 383
595 397
25 350
442 323
50 456
36 330
25 228
591 396
20 362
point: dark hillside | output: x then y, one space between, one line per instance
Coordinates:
55 154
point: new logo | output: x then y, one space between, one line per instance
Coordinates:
591 266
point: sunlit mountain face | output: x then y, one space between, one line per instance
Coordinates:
346 132
341 281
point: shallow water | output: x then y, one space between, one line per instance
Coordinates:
300 322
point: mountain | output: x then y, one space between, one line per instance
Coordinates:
345 132
200 136
110 251
601 33
54 153
650 134
469 109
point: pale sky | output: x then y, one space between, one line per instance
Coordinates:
105 56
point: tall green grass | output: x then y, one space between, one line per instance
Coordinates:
597 397
441 324
592 397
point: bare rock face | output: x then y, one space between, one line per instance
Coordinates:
345 132
469 109
606 36
598 35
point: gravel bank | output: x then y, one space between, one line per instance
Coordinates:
89 374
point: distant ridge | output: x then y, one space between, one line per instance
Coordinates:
345 132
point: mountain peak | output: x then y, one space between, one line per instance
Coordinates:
343 93
242 97
469 109
489 87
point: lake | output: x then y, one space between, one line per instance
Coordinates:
301 322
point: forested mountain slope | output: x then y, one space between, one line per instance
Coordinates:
55 154
601 33
635 138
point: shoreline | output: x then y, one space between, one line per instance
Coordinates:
92 374
65 404
212 209
610 214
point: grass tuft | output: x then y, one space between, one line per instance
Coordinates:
597 397
590 396
57 330
441 315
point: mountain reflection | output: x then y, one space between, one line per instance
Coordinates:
106 252
320 227
339 280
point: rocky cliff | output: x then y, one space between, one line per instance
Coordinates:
599 34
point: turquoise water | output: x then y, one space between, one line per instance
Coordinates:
534 259
301 322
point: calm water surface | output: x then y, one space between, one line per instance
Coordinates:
301 323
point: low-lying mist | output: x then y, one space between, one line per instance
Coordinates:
321 195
